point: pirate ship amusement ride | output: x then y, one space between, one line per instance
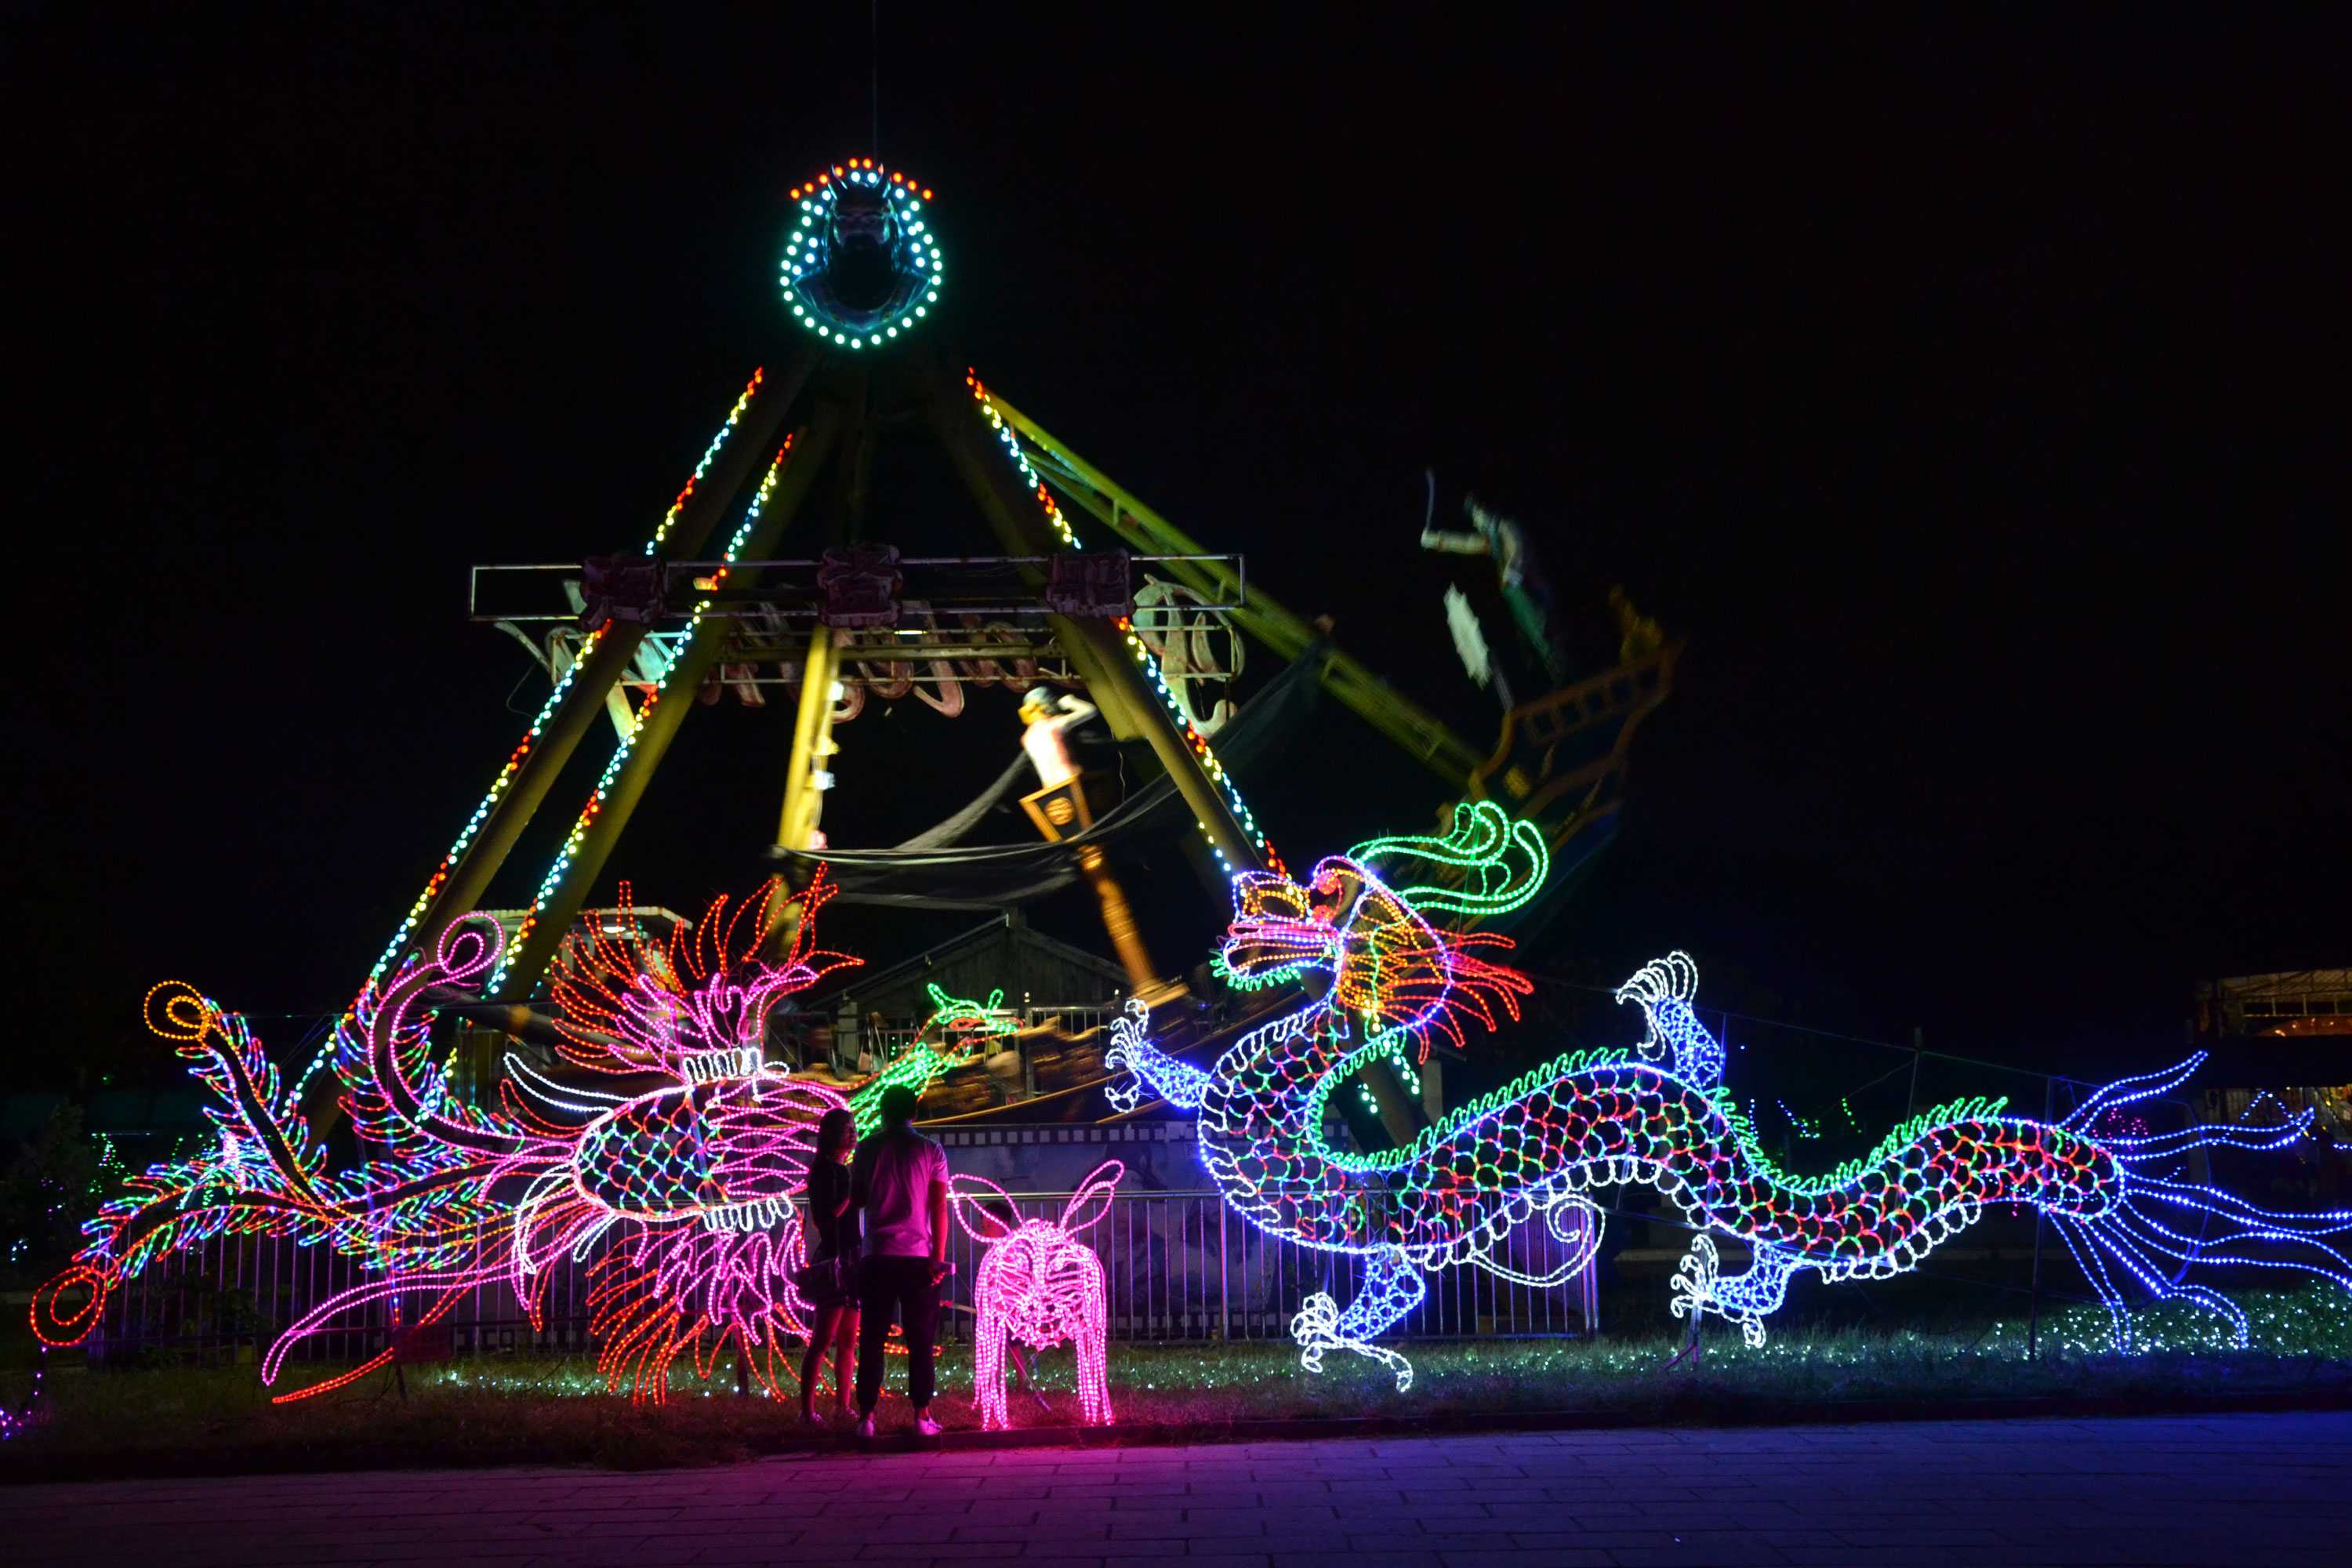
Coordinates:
1134 623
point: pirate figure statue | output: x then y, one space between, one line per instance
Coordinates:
1046 740
1059 807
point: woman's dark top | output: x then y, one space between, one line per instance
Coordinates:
833 1222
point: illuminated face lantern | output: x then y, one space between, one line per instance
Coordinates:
861 265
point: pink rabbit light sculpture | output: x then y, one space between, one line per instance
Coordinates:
1039 1284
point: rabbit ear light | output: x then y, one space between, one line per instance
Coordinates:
1092 1200
986 1216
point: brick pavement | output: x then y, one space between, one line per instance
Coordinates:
2239 1489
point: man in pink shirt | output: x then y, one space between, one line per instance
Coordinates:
899 1179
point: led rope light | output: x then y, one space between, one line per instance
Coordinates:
860 218
1656 1113
482 812
595 807
555 702
688 1187
709 455
1500 863
1038 1284
1176 711
521 752
1029 475
1208 758
983 1020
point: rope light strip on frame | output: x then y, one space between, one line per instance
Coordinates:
1177 712
661 692
546 711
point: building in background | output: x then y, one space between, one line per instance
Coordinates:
2297 1004
2282 1044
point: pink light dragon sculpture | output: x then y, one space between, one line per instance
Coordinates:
1039 1284
671 1154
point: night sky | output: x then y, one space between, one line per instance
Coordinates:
1969 389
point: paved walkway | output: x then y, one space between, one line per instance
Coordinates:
2238 1490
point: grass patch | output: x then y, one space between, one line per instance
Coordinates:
490 1412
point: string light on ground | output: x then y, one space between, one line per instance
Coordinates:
14 1422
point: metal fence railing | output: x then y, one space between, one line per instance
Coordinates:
1180 1267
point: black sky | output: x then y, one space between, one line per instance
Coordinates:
1967 386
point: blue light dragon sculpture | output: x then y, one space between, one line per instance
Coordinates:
1657 1114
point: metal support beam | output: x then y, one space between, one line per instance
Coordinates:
1119 919
469 879
813 750
1096 650
812 744
1410 726
657 725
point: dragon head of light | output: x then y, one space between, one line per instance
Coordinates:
714 1134
693 1008
1358 921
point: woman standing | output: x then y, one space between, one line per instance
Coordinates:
831 1229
